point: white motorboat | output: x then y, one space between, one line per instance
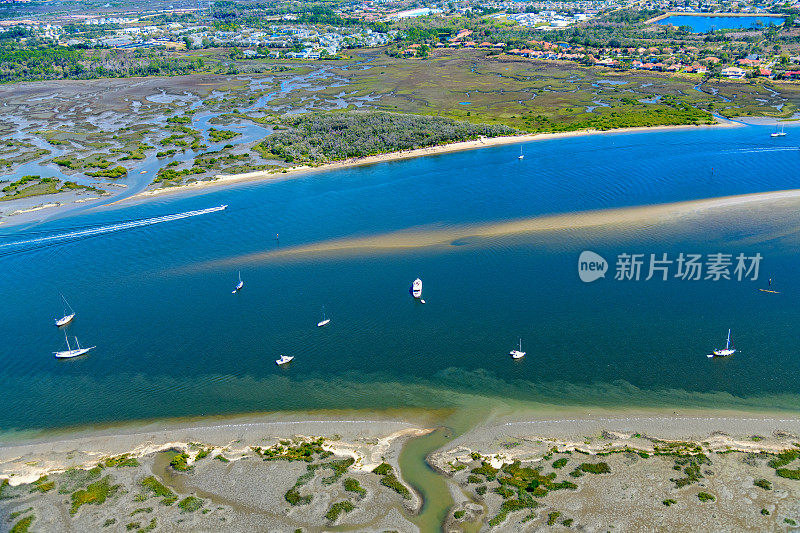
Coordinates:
284 359
325 320
416 288
69 352
67 318
517 354
724 352
238 285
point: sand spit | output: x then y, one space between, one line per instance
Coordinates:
437 239
482 142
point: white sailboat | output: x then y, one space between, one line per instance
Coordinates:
69 352
67 318
284 359
517 354
416 290
728 350
325 320
238 285
778 133
520 154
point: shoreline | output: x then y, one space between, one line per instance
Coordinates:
482 142
368 435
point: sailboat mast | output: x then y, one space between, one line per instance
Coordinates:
67 339
728 344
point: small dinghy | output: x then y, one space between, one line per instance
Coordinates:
284 359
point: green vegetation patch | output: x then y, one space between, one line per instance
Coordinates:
95 494
788 473
179 462
691 464
221 135
389 480
382 469
487 470
339 469
352 485
669 502
763 483
552 517
121 461
458 515
705 497
560 463
321 137
190 504
595 468
43 485
111 173
303 451
509 506
339 508
159 489
23 525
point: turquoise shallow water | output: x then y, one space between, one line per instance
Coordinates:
174 341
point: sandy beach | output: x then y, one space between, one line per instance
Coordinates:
227 477
483 142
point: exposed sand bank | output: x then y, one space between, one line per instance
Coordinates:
434 238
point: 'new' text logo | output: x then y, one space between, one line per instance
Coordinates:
591 266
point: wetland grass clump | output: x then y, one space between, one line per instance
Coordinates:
159 489
190 504
339 469
788 473
339 508
669 502
303 451
390 480
763 483
552 517
705 497
560 463
487 470
458 515
95 494
23 525
121 461
481 490
595 468
43 485
352 485
509 506
179 462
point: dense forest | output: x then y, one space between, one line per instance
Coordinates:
322 137
58 62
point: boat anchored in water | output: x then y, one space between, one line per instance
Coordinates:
238 285
69 352
284 359
728 350
325 320
416 290
777 133
521 156
517 354
67 318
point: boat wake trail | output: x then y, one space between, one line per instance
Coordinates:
46 240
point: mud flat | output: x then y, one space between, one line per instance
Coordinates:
288 473
698 471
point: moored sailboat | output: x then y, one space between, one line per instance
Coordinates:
67 318
238 285
325 320
724 352
69 352
517 354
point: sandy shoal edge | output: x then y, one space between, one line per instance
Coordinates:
368 439
229 179
436 238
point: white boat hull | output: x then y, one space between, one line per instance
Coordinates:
416 288
284 359
323 323
65 320
516 354
68 354
722 353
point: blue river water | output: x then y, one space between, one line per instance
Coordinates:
173 341
703 24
